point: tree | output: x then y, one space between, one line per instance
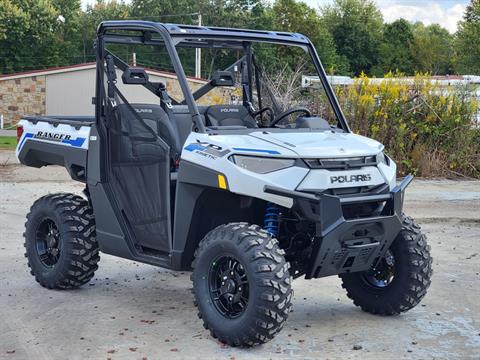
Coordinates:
293 16
432 49
467 41
69 31
250 14
28 35
472 12
395 52
232 13
356 26
100 11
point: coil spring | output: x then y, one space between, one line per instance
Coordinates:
271 222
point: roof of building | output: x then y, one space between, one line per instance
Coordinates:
80 67
48 71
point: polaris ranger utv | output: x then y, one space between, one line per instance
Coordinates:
246 179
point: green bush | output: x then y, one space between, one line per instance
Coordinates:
427 128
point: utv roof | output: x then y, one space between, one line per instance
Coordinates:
204 32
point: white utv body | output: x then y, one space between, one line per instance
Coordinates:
254 161
232 191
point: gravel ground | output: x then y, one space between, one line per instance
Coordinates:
135 311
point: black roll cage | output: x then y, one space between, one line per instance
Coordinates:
173 35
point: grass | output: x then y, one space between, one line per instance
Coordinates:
8 142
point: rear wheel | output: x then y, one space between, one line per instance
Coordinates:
60 242
241 284
399 280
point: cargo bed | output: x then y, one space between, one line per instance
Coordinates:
55 140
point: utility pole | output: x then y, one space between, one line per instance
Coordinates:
198 54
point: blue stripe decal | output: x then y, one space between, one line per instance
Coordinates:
27 136
273 152
78 142
193 147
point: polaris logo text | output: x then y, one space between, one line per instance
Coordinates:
349 179
229 110
52 136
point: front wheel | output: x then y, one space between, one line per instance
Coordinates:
399 280
242 284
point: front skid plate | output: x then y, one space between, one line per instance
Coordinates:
342 246
353 245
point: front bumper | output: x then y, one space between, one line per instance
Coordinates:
353 245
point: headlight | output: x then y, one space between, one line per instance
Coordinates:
383 159
261 165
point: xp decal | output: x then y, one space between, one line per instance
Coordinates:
208 150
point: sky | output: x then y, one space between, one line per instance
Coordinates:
444 12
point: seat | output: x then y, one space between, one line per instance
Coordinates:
182 120
157 119
228 115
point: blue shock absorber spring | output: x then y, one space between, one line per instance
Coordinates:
271 222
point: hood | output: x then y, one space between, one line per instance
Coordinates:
322 144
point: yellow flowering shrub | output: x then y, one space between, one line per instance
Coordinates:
429 129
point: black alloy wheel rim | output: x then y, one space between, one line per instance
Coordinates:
228 285
47 243
383 274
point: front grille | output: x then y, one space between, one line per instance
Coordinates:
359 190
353 191
342 164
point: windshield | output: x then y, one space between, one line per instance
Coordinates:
277 84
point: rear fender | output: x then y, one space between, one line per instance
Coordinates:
43 143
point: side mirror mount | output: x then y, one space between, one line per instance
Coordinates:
135 75
222 78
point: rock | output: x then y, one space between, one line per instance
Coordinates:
357 347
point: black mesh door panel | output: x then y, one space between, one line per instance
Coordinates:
139 177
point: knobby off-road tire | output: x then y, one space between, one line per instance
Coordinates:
65 224
260 259
411 275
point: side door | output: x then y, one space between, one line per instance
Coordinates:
137 161
139 176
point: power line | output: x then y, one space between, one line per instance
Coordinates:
160 16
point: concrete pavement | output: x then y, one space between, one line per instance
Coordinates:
136 311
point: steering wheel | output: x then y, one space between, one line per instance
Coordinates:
290 112
261 111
